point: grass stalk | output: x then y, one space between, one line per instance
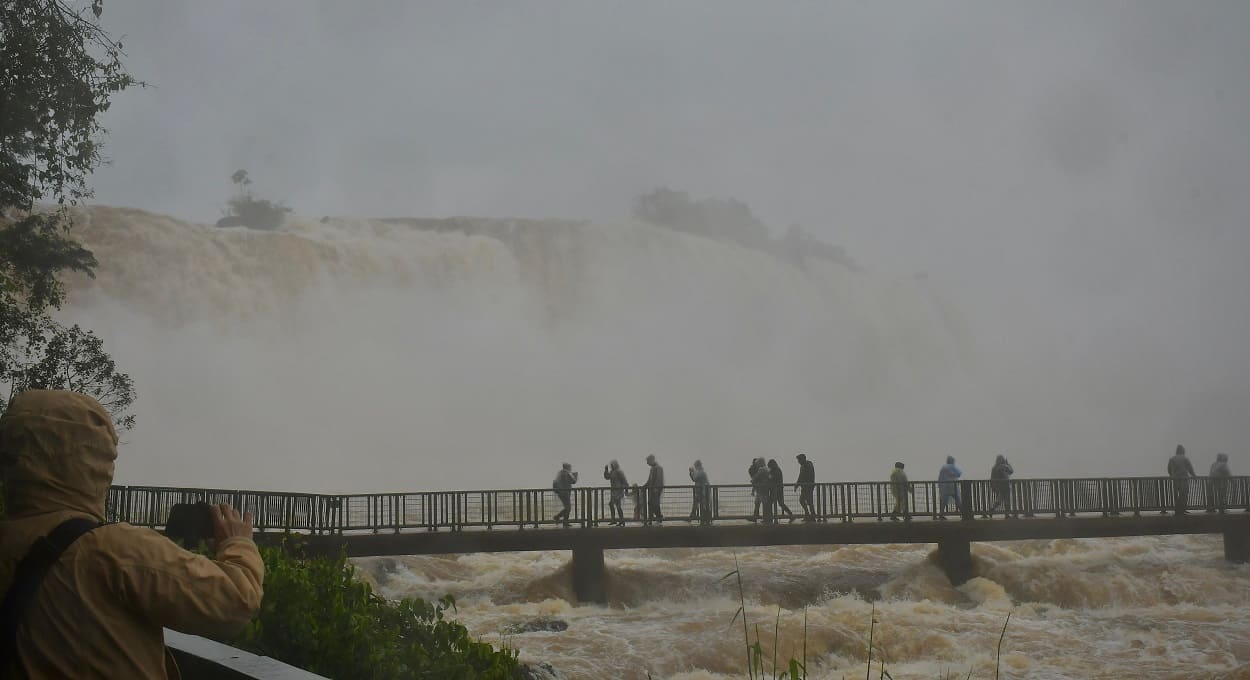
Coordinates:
872 625
776 635
804 642
742 611
999 658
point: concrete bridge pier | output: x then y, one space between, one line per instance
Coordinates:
955 556
1237 545
589 575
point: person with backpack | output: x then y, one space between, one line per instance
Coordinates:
86 599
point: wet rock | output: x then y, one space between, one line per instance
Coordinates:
536 626
538 671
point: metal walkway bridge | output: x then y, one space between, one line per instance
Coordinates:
433 522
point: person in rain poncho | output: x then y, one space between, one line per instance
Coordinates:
901 488
654 489
1220 472
563 486
100 609
1180 469
702 509
948 485
616 479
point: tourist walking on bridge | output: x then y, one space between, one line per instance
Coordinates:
777 488
702 509
616 479
761 486
1000 486
948 485
1220 473
804 485
654 489
901 489
563 485
1180 469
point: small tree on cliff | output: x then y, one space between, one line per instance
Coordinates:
58 70
245 210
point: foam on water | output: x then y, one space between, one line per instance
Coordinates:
1143 607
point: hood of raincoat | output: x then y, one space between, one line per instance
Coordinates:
57 451
950 460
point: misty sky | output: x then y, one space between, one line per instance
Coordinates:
1074 174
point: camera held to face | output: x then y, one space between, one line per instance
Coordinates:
190 524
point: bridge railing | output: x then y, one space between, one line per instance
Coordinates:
831 501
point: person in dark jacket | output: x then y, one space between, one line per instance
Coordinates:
616 479
1220 473
1180 469
1000 486
702 509
760 496
805 483
563 486
761 486
654 489
901 488
948 485
777 488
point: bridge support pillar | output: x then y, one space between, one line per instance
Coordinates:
955 556
1237 545
589 575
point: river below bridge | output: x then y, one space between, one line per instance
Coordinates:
1146 607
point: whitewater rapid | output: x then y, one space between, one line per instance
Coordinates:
1165 608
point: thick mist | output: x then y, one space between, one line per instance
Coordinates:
348 354
1066 180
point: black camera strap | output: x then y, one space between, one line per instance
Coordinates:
30 572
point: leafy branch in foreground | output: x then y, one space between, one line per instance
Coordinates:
317 615
58 71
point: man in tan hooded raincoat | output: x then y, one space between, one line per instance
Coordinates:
101 607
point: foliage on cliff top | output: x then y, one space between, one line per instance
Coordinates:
317 615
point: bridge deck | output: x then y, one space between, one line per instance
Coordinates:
686 535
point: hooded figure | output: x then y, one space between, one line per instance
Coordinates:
654 489
804 485
761 486
701 508
760 492
616 478
901 489
1000 485
1220 473
1180 469
563 485
777 487
100 609
948 484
